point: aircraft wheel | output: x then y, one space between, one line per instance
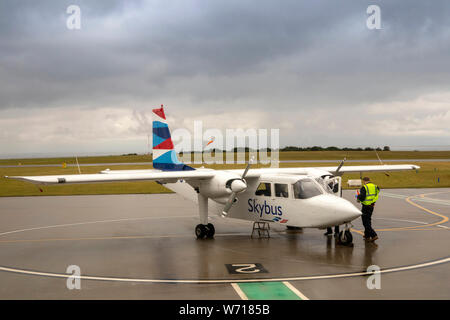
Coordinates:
345 237
201 231
210 230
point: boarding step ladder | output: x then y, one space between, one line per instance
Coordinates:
262 229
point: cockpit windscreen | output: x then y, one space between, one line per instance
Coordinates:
305 189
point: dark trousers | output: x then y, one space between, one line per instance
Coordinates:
367 221
336 230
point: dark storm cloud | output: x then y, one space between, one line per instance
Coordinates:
136 49
315 57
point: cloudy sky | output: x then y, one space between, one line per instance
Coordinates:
310 68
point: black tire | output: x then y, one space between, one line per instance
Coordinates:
345 238
210 230
200 231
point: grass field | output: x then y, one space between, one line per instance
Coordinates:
291 155
426 177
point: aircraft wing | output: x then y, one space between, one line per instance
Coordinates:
157 175
254 173
373 168
151 175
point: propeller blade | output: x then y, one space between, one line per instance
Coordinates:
250 162
229 204
340 166
232 197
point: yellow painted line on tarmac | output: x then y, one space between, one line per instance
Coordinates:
421 227
357 231
418 229
444 218
423 195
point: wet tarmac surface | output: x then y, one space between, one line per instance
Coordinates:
143 247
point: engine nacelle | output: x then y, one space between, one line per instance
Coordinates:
222 185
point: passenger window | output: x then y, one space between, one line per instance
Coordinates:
306 188
281 190
263 190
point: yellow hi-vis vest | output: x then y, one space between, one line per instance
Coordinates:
371 194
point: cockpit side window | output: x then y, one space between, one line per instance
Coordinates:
281 190
263 190
305 189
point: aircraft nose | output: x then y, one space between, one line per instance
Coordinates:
346 209
339 209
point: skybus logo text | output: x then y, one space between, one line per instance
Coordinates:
253 206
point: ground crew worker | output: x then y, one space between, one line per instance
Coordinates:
368 195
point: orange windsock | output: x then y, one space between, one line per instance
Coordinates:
210 141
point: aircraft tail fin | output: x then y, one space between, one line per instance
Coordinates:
164 155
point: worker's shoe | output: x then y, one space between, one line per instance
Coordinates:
372 239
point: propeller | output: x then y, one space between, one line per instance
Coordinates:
339 167
237 186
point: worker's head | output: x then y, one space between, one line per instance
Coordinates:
366 180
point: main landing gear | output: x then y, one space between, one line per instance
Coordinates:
345 237
205 231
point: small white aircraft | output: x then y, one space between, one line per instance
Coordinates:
294 197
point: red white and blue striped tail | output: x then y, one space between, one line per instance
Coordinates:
164 155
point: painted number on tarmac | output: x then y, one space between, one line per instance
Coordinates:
245 268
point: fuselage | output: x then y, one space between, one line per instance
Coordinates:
280 202
265 200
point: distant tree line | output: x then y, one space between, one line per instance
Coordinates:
318 148
314 148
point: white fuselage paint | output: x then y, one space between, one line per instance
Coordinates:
317 212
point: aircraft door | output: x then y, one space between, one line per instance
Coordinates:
335 184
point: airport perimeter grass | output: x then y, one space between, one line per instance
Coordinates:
287 155
426 177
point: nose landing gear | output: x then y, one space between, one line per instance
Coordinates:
345 237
